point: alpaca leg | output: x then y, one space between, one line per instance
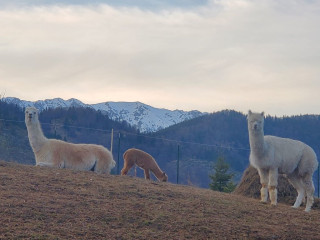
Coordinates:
298 185
45 164
264 182
273 192
309 187
99 166
105 169
126 167
147 174
273 183
125 170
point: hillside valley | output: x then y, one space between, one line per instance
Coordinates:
46 203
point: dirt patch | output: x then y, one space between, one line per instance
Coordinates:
43 203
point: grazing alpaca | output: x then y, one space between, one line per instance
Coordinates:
143 160
271 155
60 154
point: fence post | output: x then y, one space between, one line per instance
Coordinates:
178 162
118 164
55 130
318 181
111 141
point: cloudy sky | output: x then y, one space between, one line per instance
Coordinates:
207 55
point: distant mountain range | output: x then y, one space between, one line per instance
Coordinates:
142 116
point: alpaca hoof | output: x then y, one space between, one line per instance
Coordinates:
307 210
273 204
295 207
263 202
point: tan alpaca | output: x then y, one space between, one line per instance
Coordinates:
60 154
143 160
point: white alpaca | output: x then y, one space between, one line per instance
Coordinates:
60 154
271 155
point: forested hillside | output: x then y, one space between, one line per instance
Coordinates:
197 143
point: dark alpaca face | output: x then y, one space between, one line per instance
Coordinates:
255 121
31 114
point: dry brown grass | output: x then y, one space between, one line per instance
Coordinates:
43 203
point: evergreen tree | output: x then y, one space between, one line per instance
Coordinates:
221 180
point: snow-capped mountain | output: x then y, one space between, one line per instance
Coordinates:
144 117
46 104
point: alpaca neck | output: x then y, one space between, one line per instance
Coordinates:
36 137
157 172
257 144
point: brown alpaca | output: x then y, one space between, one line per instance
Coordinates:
143 160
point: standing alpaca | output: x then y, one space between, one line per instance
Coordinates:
143 160
271 155
60 154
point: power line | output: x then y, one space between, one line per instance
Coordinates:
139 135
187 142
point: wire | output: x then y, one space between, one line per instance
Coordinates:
135 134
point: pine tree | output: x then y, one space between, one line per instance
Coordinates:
221 180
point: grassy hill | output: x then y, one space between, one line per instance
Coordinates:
44 203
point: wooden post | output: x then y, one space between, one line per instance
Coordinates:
118 164
111 141
55 130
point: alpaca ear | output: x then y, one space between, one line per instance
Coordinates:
262 114
249 113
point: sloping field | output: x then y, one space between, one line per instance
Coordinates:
43 203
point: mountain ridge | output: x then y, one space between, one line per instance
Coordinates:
139 115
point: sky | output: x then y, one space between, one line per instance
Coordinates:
206 55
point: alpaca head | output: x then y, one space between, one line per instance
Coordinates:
31 115
255 122
164 177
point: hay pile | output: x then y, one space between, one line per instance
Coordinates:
250 186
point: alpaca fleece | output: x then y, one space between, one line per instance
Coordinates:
143 160
60 154
272 155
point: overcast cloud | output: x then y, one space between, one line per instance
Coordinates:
206 55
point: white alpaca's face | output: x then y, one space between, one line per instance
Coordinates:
31 114
255 121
